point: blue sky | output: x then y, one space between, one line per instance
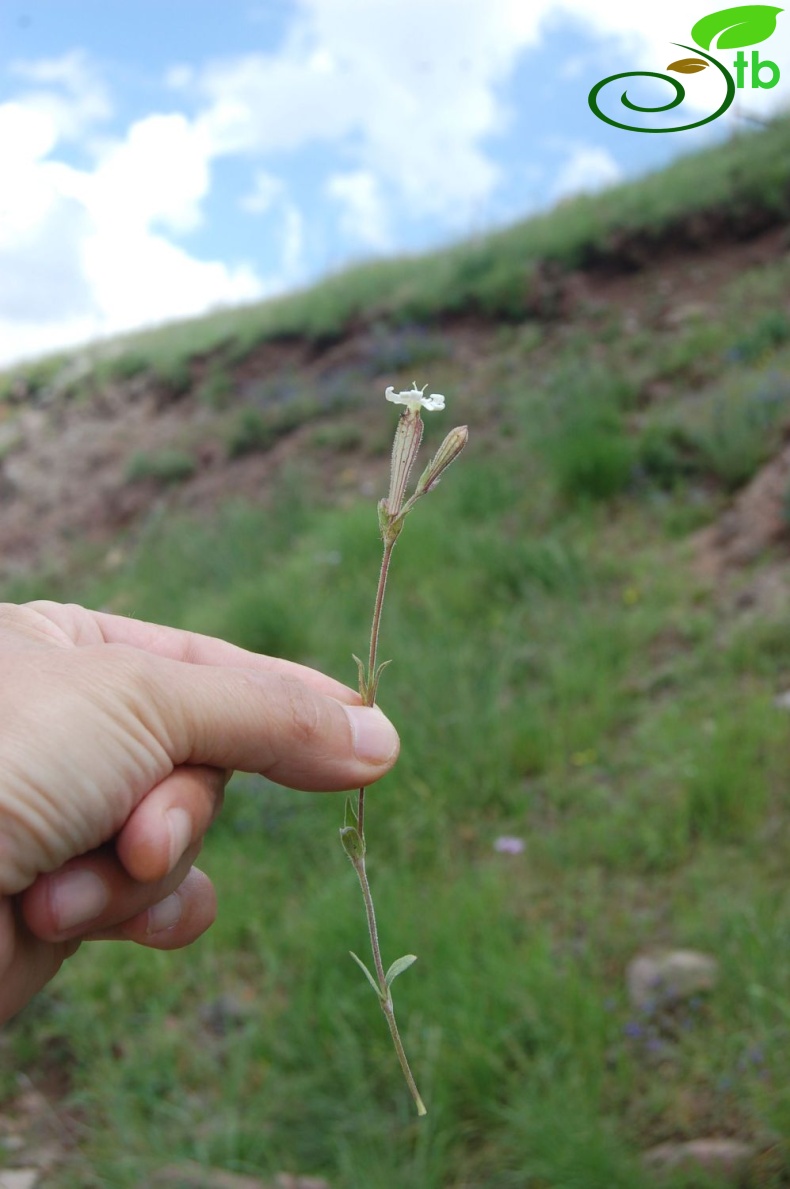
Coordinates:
164 157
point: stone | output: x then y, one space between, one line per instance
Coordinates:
689 311
19 1178
658 979
720 1157
287 1180
189 1175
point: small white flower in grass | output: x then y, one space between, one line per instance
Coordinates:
414 398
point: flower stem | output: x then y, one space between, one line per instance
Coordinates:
376 624
374 643
385 998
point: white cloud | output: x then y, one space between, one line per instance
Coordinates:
266 191
363 218
269 197
402 98
406 118
180 76
292 247
408 94
410 111
83 251
141 278
158 174
587 168
41 222
70 92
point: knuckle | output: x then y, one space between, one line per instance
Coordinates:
189 647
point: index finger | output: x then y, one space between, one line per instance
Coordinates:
85 626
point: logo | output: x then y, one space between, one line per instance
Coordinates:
728 29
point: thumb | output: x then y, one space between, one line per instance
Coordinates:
271 724
88 732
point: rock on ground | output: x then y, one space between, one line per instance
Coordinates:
721 1157
666 978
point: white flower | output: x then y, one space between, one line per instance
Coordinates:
414 398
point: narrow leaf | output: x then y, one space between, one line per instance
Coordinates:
398 967
688 65
350 814
731 28
363 681
374 688
366 973
384 516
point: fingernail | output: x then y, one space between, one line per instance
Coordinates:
165 914
179 825
76 898
375 739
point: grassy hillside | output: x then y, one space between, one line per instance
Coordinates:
574 666
737 188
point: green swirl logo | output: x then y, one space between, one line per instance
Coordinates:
730 28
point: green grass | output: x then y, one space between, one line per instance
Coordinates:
564 688
163 466
559 674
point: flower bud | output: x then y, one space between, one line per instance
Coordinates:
353 844
449 450
405 448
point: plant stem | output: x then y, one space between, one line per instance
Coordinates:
374 643
376 624
385 998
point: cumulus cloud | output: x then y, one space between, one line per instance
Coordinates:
410 113
84 251
143 278
363 217
587 168
407 116
267 189
399 102
41 222
158 174
68 90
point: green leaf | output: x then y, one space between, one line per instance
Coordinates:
367 974
352 843
747 24
384 516
363 681
398 967
374 688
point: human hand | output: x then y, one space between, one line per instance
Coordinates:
117 739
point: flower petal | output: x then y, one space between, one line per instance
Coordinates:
434 401
413 397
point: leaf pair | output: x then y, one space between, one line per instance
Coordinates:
397 967
369 683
